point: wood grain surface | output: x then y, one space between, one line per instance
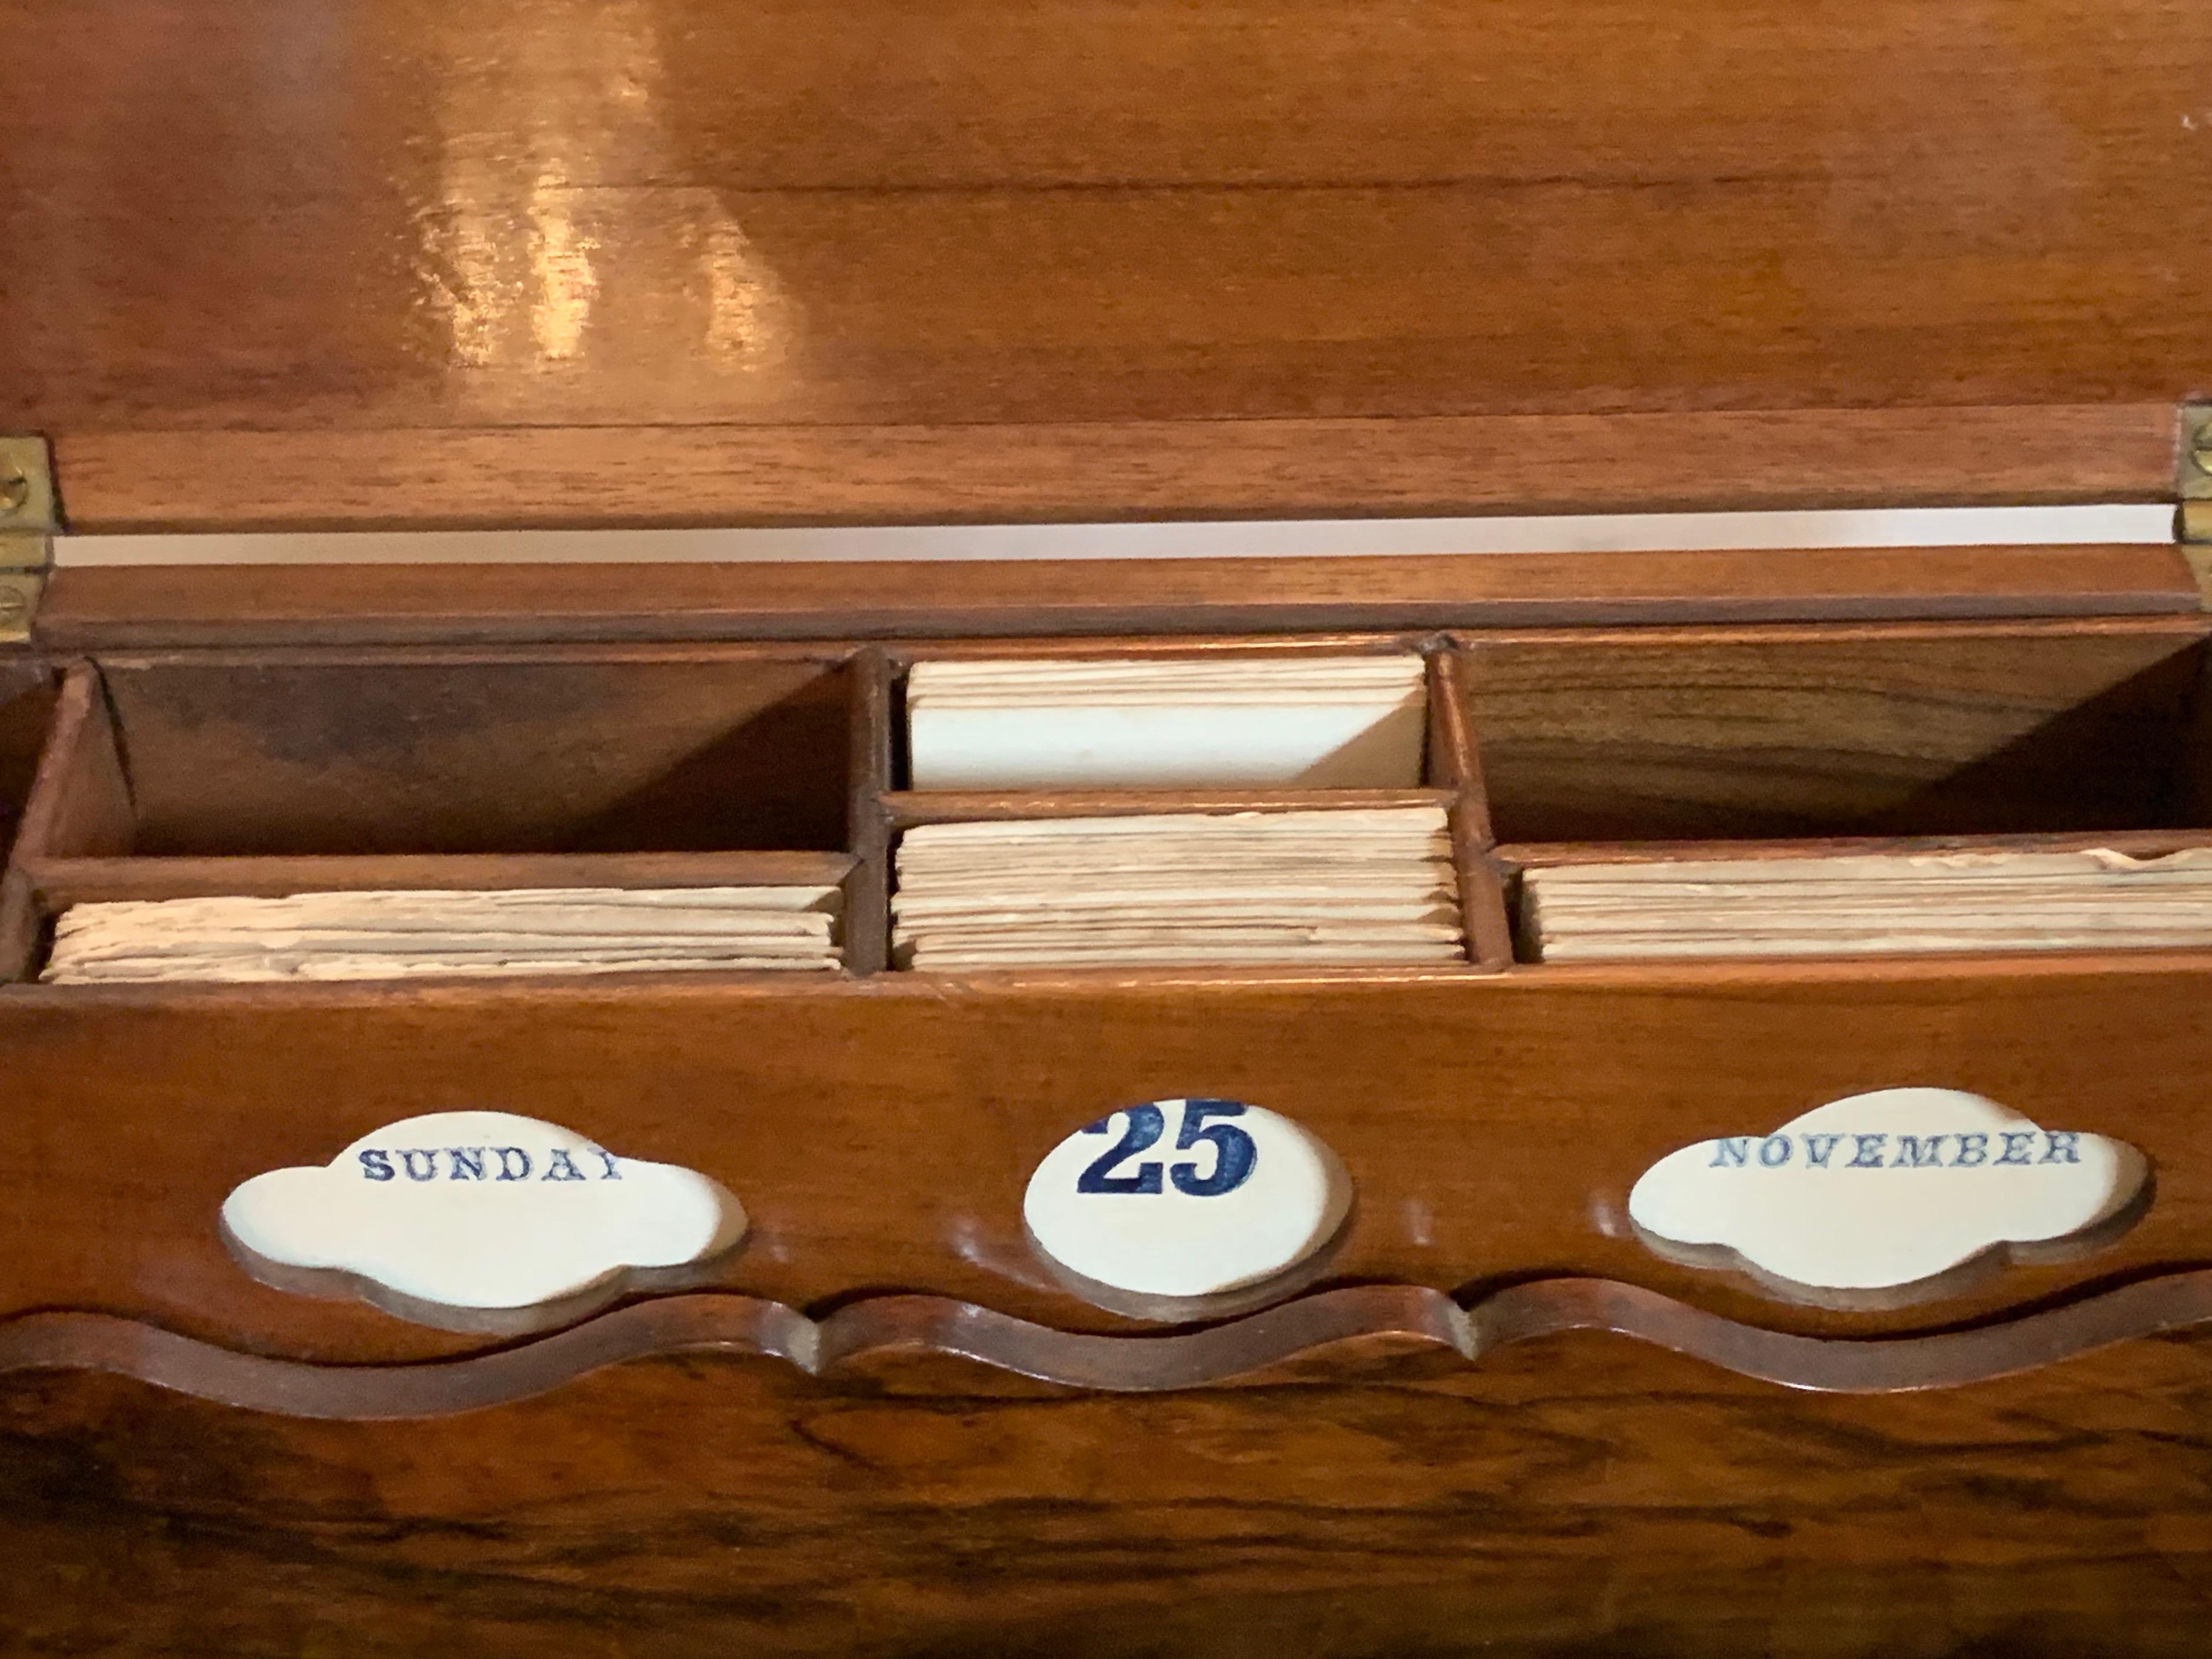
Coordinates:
1654 734
423 755
278 607
1576 1495
1350 1485
879 1131
867 1334
410 220
1102 471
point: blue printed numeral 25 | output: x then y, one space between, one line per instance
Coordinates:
1235 1157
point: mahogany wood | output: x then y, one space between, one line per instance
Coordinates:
399 263
27 706
1455 761
870 750
1575 1493
79 804
1789 732
684 216
1273 467
909 807
880 1130
417 755
909 1332
2138 843
112 608
61 882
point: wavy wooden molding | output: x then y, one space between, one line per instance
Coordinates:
722 1324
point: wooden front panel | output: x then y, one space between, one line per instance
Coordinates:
1582 1496
880 1132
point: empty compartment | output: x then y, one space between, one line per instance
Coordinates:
1875 731
415 754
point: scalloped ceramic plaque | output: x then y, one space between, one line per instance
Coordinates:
480 1221
1889 1196
1181 1202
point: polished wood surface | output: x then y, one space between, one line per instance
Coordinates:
1653 734
1450 1092
407 220
879 1131
26 708
276 606
413 754
1576 1495
1259 467
1473 1435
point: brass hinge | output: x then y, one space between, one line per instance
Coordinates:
2192 476
29 518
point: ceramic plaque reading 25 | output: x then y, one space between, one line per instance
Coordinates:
1180 1200
480 1221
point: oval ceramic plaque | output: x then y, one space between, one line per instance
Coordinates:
1889 1196
479 1221
1178 1202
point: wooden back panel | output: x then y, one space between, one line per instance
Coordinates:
679 262
370 754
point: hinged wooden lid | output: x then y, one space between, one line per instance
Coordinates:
675 261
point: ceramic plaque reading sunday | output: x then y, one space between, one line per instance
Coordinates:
1178 1202
480 1221
1889 1196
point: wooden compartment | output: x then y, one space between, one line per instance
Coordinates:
281 774
1710 735
361 753
1450 770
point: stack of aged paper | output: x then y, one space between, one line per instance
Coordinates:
406 935
1316 722
1350 886
1868 904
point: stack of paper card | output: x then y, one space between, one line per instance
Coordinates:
1314 722
1868 904
1353 886
407 935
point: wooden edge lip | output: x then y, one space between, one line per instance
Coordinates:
140 607
1296 1331
1253 466
60 882
1754 976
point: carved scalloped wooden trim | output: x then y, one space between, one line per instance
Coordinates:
715 1322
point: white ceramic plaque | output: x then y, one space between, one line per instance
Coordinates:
478 1221
1178 1199
1879 1192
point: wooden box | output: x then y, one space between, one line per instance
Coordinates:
669 266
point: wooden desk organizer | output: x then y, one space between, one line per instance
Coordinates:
879 1125
674 266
